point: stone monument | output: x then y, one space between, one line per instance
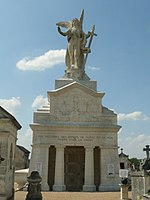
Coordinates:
75 138
8 137
77 40
141 179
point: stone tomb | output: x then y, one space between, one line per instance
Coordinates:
75 143
8 137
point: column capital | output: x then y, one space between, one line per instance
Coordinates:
90 148
60 146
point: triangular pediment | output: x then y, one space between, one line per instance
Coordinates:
77 86
75 102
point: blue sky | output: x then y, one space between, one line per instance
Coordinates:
32 57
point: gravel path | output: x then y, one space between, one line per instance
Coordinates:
74 195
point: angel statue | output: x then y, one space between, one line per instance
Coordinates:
77 40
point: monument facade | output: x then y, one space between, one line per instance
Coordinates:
75 143
8 137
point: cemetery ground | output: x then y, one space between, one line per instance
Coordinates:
74 195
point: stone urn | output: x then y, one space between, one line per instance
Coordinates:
34 187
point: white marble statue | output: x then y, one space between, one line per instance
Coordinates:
77 40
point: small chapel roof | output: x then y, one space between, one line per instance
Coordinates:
6 115
123 154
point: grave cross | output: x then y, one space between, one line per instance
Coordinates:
147 149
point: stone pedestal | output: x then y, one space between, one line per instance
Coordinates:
34 187
124 191
76 74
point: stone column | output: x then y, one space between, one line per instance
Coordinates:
89 170
59 170
44 150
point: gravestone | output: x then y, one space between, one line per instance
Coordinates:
138 181
141 179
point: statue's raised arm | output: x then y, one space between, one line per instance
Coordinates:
77 40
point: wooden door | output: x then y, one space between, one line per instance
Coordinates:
74 168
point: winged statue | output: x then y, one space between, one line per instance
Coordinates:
77 40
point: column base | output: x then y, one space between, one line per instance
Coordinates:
44 187
59 188
89 188
109 188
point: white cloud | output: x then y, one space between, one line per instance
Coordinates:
11 105
133 145
25 139
137 115
39 101
47 60
94 68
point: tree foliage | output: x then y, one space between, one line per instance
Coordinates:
135 162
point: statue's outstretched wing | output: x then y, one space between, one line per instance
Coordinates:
82 17
65 24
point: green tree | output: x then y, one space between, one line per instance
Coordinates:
135 162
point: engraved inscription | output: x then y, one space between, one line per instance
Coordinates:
96 139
